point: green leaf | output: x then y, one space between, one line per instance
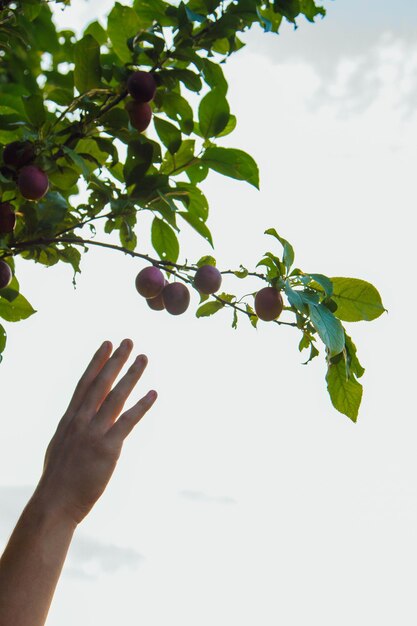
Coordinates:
170 210
64 97
122 24
328 327
356 300
206 260
310 9
230 126
178 109
209 308
51 210
149 187
127 235
198 226
107 146
190 79
72 256
213 74
353 364
164 240
324 282
313 351
193 199
178 162
10 292
253 318
31 10
151 11
97 31
138 162
169 134
288 256
18 309
213 113
345 393
233 163
295 298
87 71
269 20
35 109
64 177
288 8
197 172
235 319
242 273
78 161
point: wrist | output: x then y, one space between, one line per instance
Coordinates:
42 510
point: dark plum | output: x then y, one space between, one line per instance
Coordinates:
5 274
157 304
18 153
176 298
207 279
268 304
7 218
140 114
150 281
32 182
141 86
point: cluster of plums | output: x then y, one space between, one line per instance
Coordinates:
142 87
175 297
31 180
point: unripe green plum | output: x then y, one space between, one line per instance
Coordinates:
176 298
140 114
207 279
5 274
18 153
141 86
157 304
268 304
7 218
32 182
150 281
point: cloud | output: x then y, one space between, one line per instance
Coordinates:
86 558
353 59
200 496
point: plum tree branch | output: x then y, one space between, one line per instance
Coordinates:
165 265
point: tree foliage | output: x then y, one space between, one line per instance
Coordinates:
67 96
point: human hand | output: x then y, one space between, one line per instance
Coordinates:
84 450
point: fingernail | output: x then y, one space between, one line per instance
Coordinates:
142 358
151 395
126 343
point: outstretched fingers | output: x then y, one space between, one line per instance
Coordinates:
94 367
114 403
103 382
128 420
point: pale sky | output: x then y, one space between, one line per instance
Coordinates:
243 497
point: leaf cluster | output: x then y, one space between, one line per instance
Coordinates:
68 95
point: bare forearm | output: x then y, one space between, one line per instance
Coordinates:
32 562
79 462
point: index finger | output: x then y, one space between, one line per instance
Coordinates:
96 364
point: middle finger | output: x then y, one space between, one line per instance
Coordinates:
105 379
